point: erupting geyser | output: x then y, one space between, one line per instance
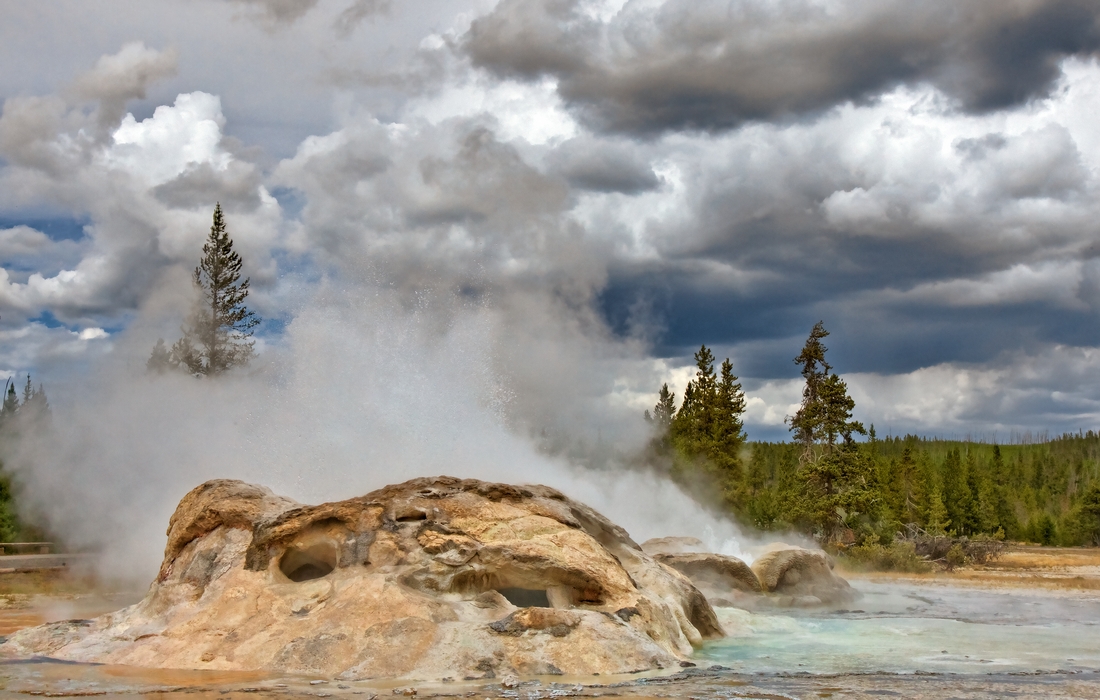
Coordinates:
429 579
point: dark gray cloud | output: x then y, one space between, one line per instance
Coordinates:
357 12
686 64
119 78
236 186
919 235
603 166
275 12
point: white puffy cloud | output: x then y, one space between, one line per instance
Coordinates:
185 135
1057 283
20 241
1017 392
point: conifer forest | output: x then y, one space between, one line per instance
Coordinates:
855 493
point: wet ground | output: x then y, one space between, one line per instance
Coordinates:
50 679
910 637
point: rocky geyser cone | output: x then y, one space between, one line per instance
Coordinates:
428 579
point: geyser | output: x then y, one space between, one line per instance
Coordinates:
428 579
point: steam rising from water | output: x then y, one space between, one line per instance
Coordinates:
359 394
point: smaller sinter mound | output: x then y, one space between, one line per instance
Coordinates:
719 577
802 577
784 576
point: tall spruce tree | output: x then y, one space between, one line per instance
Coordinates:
908 487
837 483
826 410
806 423
11 402
216 335
730 401
663 412
937 520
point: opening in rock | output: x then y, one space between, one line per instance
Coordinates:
525 597
312 562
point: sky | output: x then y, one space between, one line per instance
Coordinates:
598 187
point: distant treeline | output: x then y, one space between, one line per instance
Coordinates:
845 492
30 414
1047 493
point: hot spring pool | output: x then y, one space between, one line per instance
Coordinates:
907 629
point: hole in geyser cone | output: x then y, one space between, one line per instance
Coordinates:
308 563
526 597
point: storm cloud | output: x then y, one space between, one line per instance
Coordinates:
713 65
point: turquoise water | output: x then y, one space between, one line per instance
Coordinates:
909 629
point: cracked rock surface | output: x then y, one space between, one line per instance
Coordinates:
433 578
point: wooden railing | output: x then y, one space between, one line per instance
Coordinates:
25 547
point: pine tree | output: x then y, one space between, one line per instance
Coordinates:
703 438
997 468
806 423
826 410
987 507
660 422
708 425
1086 516
957 493
216 336
9 521
11 402
937 513
697 413
160 360
40 405
32 411
909 487
837 483
730 406
692 425
663 412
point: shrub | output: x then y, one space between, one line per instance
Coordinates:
982 549
899 555
955 557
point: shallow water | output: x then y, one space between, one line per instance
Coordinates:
41 609
944 641
908 629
